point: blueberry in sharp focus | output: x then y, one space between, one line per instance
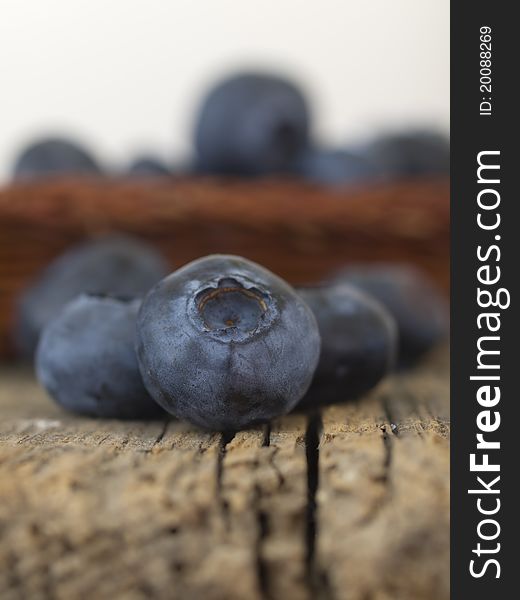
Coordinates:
418 307
335 167
114 264
148 166
225 343
86 359
251 123
411 153
54 156
358 344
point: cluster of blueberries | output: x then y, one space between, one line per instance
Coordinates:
221 342
259 124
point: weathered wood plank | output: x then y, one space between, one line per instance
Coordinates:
383 500
348 507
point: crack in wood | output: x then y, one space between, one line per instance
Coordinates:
262 518
388 448
266 442
225 438
263 530
312 453
272 463
387 460
392 420
160 436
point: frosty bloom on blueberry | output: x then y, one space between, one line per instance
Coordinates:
251 123
148 166
54 156
419 309
86 359
113 264
225 344
358 344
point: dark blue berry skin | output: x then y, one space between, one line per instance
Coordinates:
86 360
358 344
225 344
251 124
418 307
148 166
411 154
54 156
113 264
335 167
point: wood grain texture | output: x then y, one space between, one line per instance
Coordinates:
300 231
352 504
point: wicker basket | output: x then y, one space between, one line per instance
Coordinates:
300 231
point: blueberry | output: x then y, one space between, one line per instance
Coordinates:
225 344
86 359
148 166
419 309
54 156
335 167
113 264
251 123
411 153
358 344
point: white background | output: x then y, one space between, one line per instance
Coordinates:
126 75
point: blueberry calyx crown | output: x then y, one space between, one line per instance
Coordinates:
232 308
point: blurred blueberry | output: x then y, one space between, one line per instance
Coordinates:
225 343
335 167
113 264
412 153
86 360
358 344
251 123
148 166
54 156
418 307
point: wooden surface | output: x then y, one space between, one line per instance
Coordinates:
301 232
349 505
